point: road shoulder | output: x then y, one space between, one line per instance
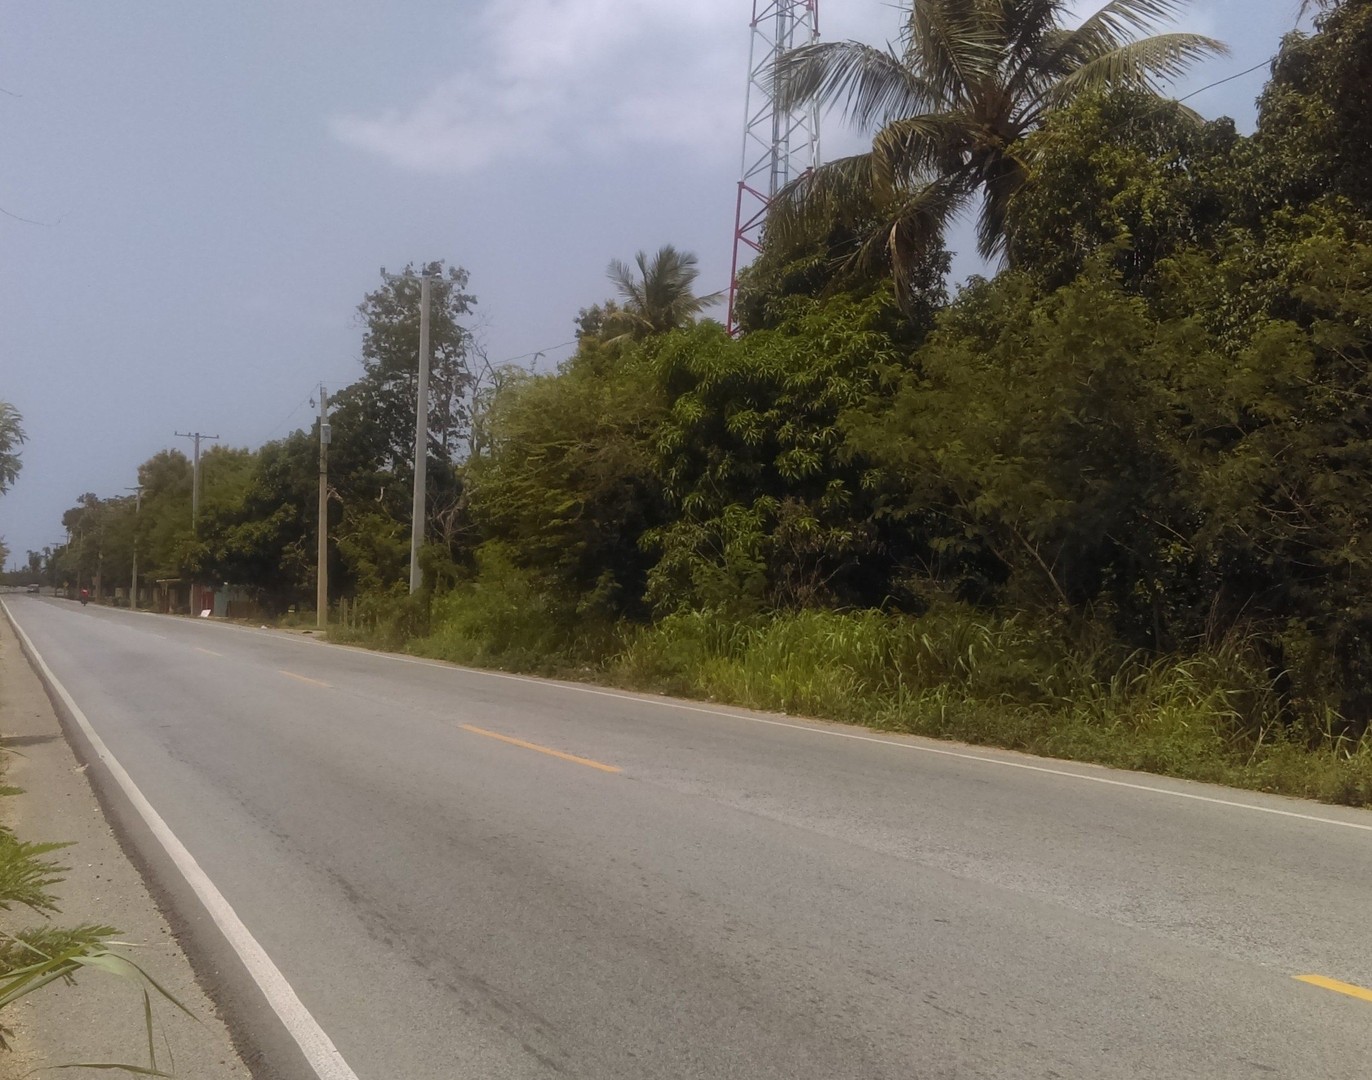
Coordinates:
100 1019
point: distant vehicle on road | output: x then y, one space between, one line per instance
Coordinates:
33 588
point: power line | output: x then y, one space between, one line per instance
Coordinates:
287 418
536 352
30 221
1227 78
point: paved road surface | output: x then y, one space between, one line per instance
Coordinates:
683 893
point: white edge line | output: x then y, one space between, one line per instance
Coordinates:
314 1043
813 729
897 744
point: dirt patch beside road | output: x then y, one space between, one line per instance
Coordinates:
101 1018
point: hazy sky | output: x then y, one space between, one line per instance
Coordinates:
217 186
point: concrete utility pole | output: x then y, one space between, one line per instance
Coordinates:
195 472
321 600
133 578
421 439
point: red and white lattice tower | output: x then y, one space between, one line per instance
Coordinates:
778 144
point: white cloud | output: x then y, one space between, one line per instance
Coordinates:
553 79
557 77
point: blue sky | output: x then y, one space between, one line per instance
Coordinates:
217 186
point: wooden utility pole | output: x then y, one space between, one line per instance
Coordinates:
195 472
421 440
133 577
321 600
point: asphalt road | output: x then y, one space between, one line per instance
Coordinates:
688 892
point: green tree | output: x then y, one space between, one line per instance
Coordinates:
826 260
267 543
165 541
1042 428
1122 174
1314 137
1284 509
659 297
82 555
390 360
371 456
569 485
11 438
768 506
951 106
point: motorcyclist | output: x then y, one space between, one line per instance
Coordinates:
85 596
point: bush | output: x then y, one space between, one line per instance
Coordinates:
508 617
386 620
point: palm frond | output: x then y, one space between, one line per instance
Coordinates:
901 235
625 280
1025 24
1120 20
910 149
919 224
871 84
624 326
840 191
999 186
1116 24
953 46
1138 65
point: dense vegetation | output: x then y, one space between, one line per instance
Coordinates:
1109 503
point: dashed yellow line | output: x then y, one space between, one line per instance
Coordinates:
207 652
542 749
306 679
1359 992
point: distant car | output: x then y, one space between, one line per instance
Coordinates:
32 588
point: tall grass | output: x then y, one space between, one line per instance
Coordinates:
1214 715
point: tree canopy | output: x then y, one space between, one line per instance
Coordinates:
658 298
951 104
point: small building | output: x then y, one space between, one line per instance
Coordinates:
235 602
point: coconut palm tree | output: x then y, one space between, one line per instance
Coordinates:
950 105
659 297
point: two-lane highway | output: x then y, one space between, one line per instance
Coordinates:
465 874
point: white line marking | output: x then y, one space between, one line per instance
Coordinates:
985 760
318 1048
895 743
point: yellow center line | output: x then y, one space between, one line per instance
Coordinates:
1360 992
207 652
305 678
541 749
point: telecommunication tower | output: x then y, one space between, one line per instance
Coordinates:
778 144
